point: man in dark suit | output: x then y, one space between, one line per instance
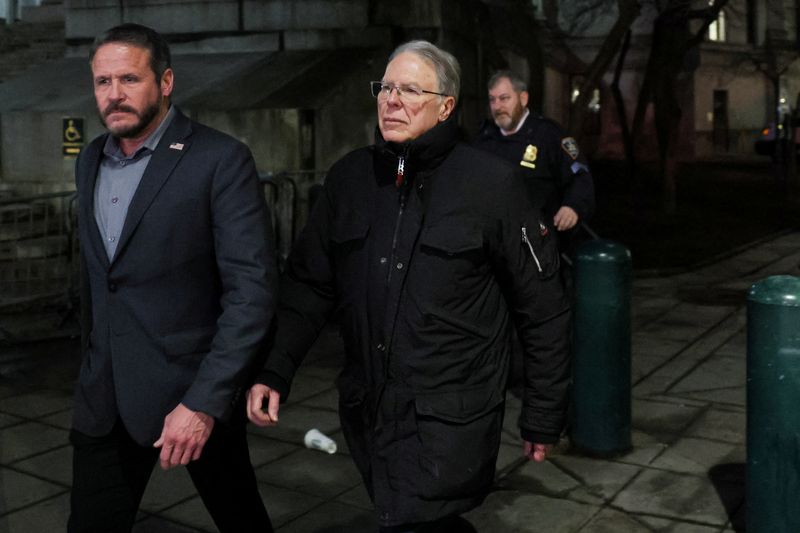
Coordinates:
178 284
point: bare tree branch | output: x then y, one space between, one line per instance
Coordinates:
628 12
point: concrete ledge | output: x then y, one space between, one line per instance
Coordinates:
43 13
186 16
373 37
195 17
86 23
277 15
261 42
411 14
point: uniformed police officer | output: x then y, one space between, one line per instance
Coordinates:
557 176
559 180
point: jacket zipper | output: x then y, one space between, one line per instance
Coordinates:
530 247
401 164
401 168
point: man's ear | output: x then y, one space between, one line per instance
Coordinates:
167 79
523 98
446 108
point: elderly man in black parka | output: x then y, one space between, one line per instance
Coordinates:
426 252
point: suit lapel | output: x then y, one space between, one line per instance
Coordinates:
90 165
169 151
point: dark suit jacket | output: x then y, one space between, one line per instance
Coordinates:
181 310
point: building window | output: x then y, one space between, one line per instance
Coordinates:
716 30
594 103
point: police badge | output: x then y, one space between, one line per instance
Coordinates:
529 156
570 145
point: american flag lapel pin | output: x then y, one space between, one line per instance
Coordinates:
176 146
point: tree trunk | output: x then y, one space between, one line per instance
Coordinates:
622 115
663 65
628 12
672 40
791 160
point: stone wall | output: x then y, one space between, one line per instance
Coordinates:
343 114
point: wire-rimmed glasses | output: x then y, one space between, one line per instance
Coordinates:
406 93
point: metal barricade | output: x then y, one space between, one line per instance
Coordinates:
38 249
305 181
280 192
287 194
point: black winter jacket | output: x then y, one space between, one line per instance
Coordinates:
425 281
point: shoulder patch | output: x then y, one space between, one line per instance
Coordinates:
570 145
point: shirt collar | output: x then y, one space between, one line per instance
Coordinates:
112 149
519 125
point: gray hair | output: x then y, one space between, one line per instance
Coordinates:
448 72
517 82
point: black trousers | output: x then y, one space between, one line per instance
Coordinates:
110 474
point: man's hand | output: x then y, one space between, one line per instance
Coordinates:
565 218
536 452
183 437
255 402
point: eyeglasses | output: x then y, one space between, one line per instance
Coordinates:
406 93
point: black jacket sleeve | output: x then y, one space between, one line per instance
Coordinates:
540 309
306 299
575 178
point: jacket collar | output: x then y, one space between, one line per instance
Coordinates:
426 151
490 129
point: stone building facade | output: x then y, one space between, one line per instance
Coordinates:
290 77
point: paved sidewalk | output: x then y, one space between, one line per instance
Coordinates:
685 473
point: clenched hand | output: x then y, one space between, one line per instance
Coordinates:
536 452
255 403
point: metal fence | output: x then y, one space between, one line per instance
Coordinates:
39 254
289 196
38 248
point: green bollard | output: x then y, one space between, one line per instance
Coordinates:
601 394
773 401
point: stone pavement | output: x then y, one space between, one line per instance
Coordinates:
685 473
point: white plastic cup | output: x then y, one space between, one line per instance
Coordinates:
316 440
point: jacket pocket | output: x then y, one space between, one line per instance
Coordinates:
444 324
451 238
350 227
188 341
459 433
451 260
541 248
